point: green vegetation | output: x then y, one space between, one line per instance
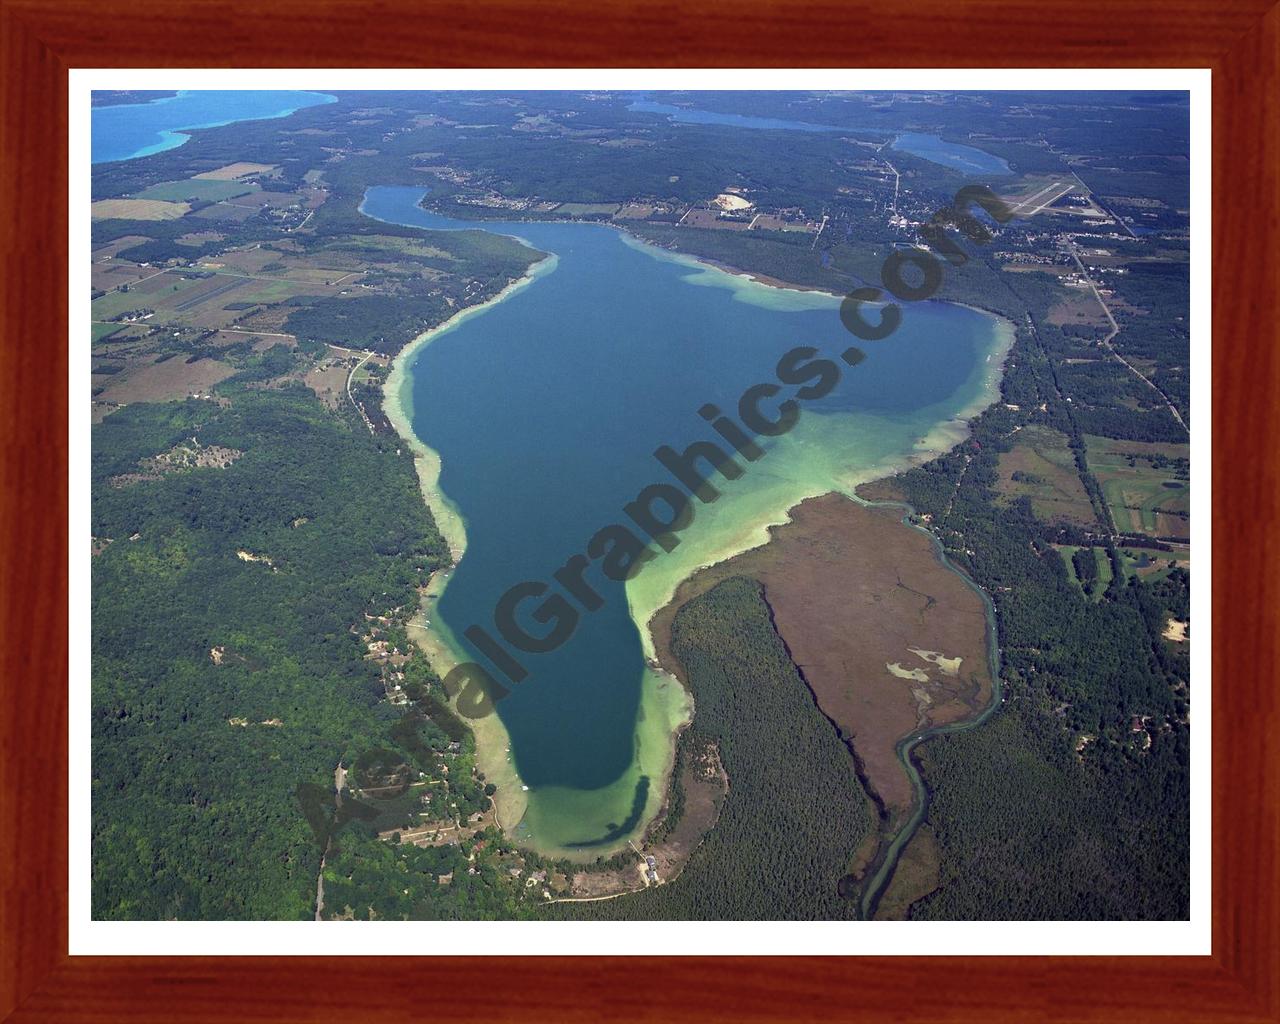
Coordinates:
407 301
795 812
232 671
1147 486
196 188
1092 743
195 817
1090 568
1041 467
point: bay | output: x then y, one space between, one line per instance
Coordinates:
131 130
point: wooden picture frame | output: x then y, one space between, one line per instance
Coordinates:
42 39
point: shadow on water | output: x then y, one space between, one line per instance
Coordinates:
617 832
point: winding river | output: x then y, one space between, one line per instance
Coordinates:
887 859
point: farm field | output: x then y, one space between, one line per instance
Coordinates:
267 265
117 245
196 188
256 199
167 293
215 293
137 209
107 276
162 381
1041 466
1145 484
236 170
193 326
1079 309
225 211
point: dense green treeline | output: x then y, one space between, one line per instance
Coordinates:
1031 831
194 814
1074 800
395 881
471 267
795 812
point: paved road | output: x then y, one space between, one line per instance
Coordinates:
1115 329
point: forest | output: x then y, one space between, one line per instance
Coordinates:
1073 801
194 817
795 812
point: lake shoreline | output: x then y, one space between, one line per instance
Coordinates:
944 436
174 137
675 709
492 742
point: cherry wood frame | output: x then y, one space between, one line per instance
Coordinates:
41 39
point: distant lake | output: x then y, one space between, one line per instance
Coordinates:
545 409
687 115
127 131
950 154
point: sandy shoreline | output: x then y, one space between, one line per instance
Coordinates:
492 742
493 754
646 602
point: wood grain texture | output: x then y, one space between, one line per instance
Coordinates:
39 41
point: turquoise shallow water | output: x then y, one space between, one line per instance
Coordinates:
546 410
128 131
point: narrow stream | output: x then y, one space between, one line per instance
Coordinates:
887 858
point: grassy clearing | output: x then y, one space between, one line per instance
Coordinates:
165 381
196 188
1152 565
237 170
1147 486
1040 466
137 209
1102 565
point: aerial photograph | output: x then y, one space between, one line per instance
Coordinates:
658 506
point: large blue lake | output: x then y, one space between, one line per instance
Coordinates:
127 131
545 410
955 155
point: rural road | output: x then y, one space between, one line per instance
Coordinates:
1115 329
350 377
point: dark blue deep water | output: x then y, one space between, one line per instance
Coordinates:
546 408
